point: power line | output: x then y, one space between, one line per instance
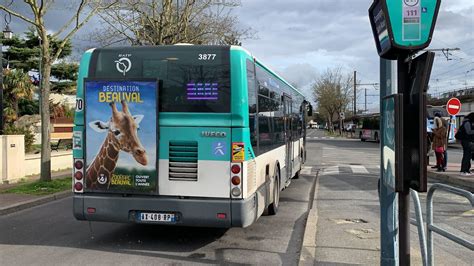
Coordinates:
450 70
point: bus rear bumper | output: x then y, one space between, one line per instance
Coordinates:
188 212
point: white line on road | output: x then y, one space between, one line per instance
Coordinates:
359 169
306 170
333 170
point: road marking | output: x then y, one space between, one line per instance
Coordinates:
332 170
306 170
359 169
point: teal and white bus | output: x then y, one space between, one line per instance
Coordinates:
183 135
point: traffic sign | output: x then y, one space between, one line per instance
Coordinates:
454 106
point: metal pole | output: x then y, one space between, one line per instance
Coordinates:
365 104
404 197
420 226
355 93
404 226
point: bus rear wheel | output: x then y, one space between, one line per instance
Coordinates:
273 207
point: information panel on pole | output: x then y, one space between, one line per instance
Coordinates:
399 26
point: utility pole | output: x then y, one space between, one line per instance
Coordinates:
355 93
365 106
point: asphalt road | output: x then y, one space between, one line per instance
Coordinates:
347 171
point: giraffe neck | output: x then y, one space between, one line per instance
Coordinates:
104 162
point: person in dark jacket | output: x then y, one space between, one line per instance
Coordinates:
467 137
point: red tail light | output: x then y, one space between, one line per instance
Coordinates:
78 175
90 210
235 169
78 164
78 186
221 216
236 180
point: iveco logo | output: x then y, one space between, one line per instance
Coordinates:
213 134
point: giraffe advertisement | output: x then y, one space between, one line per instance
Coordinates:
121 135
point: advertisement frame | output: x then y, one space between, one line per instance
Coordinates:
157 130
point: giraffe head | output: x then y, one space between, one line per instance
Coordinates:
123 128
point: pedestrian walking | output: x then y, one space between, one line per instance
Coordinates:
439 142
466 135
447 126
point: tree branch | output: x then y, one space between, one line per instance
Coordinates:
77 27
13 13
71 20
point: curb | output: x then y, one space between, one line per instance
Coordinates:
449 180
308 248
34 202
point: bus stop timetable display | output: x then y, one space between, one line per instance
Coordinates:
202 91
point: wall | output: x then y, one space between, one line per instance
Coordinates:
12 158
59 161
15 165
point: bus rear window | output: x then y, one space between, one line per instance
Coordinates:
192 78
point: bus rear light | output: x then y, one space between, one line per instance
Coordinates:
78 175
78 186
221 216
90 210
78 164
236 192
236 180
235 168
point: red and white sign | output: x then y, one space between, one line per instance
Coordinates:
454 106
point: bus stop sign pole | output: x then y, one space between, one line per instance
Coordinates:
401 28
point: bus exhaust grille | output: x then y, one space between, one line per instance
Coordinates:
183 160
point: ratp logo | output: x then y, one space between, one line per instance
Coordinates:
123 65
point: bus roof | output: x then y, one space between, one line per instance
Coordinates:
240 48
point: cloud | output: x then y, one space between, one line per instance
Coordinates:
306 35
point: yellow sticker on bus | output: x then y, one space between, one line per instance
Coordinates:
238 152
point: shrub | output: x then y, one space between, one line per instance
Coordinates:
29 136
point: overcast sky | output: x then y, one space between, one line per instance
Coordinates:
302 38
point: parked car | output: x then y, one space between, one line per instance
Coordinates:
350 128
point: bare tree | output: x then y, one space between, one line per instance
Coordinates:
332 94
161 22
36 16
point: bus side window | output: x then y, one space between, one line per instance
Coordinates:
252 98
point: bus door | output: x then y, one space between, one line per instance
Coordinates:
288 136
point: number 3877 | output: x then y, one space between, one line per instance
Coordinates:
206 56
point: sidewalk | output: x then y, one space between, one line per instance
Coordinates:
343 226
11 202
452 177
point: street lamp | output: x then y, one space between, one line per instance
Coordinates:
7 35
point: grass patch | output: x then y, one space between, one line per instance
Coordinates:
40 188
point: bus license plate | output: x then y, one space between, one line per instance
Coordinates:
157 217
